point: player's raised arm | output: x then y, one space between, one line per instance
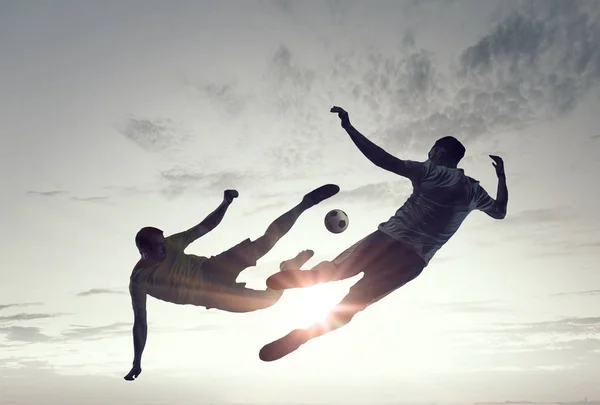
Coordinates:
140 327
502 192
374 153
495 208
183 239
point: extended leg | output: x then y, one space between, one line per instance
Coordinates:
374 286
360 296
282 225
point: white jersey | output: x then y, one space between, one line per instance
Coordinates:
441 200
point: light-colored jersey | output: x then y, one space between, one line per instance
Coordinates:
195 280
177 279
441 200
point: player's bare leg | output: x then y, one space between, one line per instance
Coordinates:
282 225
341 315
368 290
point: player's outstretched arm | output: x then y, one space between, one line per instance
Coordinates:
140 328
208 224
495 208
374 153
502 192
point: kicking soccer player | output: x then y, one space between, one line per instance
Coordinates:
399 250
167 273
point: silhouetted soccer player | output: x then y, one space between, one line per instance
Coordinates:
167 273
399 250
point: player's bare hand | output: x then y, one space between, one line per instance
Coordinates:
342 114
134 373
230 195
498 164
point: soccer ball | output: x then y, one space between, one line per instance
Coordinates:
336 221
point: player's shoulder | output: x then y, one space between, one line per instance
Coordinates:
141 269
417 170
415 163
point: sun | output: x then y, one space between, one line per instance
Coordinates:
313 304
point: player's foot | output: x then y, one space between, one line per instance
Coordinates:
321 193
284 346
297 262
288 279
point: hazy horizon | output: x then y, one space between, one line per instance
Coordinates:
119 115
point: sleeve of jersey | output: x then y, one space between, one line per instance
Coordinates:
138 294
415 171
482 199
180 240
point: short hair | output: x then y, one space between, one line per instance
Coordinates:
141 238
455 150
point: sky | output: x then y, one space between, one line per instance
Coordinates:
118 115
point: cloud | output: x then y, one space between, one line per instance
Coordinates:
69 195
570 326
51 193
535 64
28 334
93 199
153 135
27 317
19 305
575 353
542 215
471 307
99 291
383 192
225 97
83 332
525 69
585 292
86 332
540 60
179 180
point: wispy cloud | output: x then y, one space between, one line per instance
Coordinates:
99 291
525 70
384 192
28 334
178 180
19 305
69 195
27 317
50 193
570 326
542 215
77 332
471 307
33 334
153 135
584 293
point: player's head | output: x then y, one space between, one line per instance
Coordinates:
150 243
447 151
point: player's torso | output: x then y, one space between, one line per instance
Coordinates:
177 279
439 204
